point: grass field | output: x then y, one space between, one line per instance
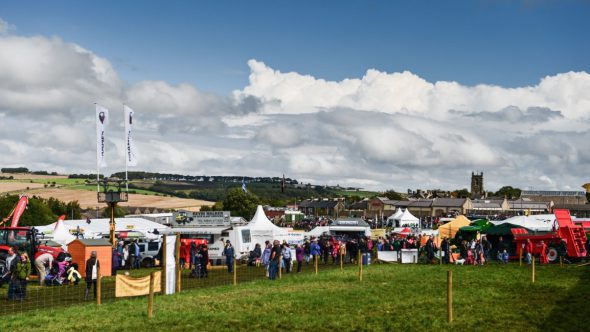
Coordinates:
390 297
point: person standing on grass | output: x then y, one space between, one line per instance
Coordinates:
500 248
444 247
43 262
543 259
528 251
315 250
299 254
275 253
286 253
115 262
11 260
21 274
204 253
430 250
137 264
342 250
193 256
229 253
266 257
92 266
307 251
126 255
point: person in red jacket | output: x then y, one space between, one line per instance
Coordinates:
528 251
543 255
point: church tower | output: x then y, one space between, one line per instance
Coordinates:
477 190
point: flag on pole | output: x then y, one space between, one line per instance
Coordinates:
244 186
130 151
102 119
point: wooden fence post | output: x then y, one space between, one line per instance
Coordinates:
98 285
450 296
163 264
178 267
151 295
281 264
315 262
360 259
520 256
341 263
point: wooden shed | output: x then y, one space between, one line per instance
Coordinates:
80 250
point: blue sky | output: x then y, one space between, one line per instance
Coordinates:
207 43
371 94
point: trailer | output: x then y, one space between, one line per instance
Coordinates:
565 230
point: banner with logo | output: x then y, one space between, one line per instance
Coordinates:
102 119
130 151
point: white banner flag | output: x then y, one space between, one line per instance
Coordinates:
130 151
102 119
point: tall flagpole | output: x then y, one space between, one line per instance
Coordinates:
126 147
97 162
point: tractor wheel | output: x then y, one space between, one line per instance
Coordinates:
552 255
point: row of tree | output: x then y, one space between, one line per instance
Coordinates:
40 211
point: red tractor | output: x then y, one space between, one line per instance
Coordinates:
571 234
25 239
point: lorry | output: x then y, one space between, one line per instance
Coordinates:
571 234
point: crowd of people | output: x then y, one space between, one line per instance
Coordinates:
326 250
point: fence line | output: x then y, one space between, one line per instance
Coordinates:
63 295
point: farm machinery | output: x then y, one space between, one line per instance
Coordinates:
25 239
567 235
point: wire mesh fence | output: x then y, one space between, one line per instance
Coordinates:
58 295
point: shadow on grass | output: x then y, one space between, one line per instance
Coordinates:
571 311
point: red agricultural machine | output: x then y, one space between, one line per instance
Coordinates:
573 235
26 239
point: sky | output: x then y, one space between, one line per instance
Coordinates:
372 94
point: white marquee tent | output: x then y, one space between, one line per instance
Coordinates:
392 219
259 230
407 219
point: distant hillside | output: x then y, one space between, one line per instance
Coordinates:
215 188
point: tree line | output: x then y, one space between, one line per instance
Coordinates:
40 211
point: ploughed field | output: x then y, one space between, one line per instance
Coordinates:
390 296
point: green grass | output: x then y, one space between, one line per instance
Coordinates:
390 297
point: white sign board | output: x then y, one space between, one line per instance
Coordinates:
201 218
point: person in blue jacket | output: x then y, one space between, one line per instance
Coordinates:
315 249
229 253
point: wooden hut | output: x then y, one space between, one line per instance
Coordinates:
80 250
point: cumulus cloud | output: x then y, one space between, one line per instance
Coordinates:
5 27
382 130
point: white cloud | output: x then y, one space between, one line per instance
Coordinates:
5 27
407 93
380 131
